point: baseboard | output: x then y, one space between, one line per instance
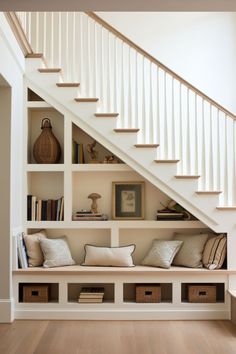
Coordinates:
50 314
6 310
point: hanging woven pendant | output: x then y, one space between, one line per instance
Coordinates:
47 148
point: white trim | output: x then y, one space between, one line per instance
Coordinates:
6 310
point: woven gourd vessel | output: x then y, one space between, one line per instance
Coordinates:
46 148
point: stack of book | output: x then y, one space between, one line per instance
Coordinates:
91 295
44 210
89 216
77 152
169 214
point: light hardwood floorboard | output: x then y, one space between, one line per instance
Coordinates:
118 337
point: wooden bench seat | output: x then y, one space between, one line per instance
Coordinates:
77 269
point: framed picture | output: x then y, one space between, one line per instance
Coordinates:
128 200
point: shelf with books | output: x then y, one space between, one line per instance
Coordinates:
88 293
45 196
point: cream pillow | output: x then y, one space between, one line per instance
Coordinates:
34 252
109 256
214 252
56 252
162 253
190 253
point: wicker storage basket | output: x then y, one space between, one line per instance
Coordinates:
202 293
36 293
148 293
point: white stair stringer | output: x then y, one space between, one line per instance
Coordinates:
122 145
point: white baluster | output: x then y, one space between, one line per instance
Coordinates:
129 94
151 136
144 130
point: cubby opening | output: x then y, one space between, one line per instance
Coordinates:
52 290
35 117
81 145
129 291
32 96
74 290
220 292
45 201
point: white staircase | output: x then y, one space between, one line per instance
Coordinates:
164 128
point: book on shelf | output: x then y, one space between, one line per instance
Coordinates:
21 251
92 290
89 216
77 152
91 301
45 210
168 214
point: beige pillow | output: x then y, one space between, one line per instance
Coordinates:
109 256
56 252
190 253
34 252
214 252
162 253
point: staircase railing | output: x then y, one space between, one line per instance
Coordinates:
188 125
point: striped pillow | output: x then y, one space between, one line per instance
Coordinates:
214 252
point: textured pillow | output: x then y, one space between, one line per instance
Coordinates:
162 253
109 256
214 252
190 253
34 252
56 252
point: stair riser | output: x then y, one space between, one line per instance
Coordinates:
33 64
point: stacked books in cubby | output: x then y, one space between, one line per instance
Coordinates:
77 152
169 214
91 295
44 210
89 216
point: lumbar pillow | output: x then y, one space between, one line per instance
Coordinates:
56 252
214 252
109 256
190 253
162 253
34 252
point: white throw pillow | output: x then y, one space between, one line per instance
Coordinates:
109 256
162 253
56 252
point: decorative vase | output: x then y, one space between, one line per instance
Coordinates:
46 148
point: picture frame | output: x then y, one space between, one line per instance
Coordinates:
128 200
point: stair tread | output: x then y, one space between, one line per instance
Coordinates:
126 130
49 70
106 115
68 84
187 176
81 99
208 192
34 55
226 207
146 145
166 161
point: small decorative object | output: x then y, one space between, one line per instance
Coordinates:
93 154
94 197
149 293
110 159
46 147
128 200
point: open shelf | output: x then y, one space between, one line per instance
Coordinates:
129 292
220 291
74 291
53 292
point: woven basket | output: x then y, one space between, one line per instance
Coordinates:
47 148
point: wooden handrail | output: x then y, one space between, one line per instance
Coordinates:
18 32
158 63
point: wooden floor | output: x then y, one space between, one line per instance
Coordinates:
117 337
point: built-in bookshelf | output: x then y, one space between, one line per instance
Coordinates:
65 187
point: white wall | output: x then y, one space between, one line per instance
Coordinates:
199 46
11 123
